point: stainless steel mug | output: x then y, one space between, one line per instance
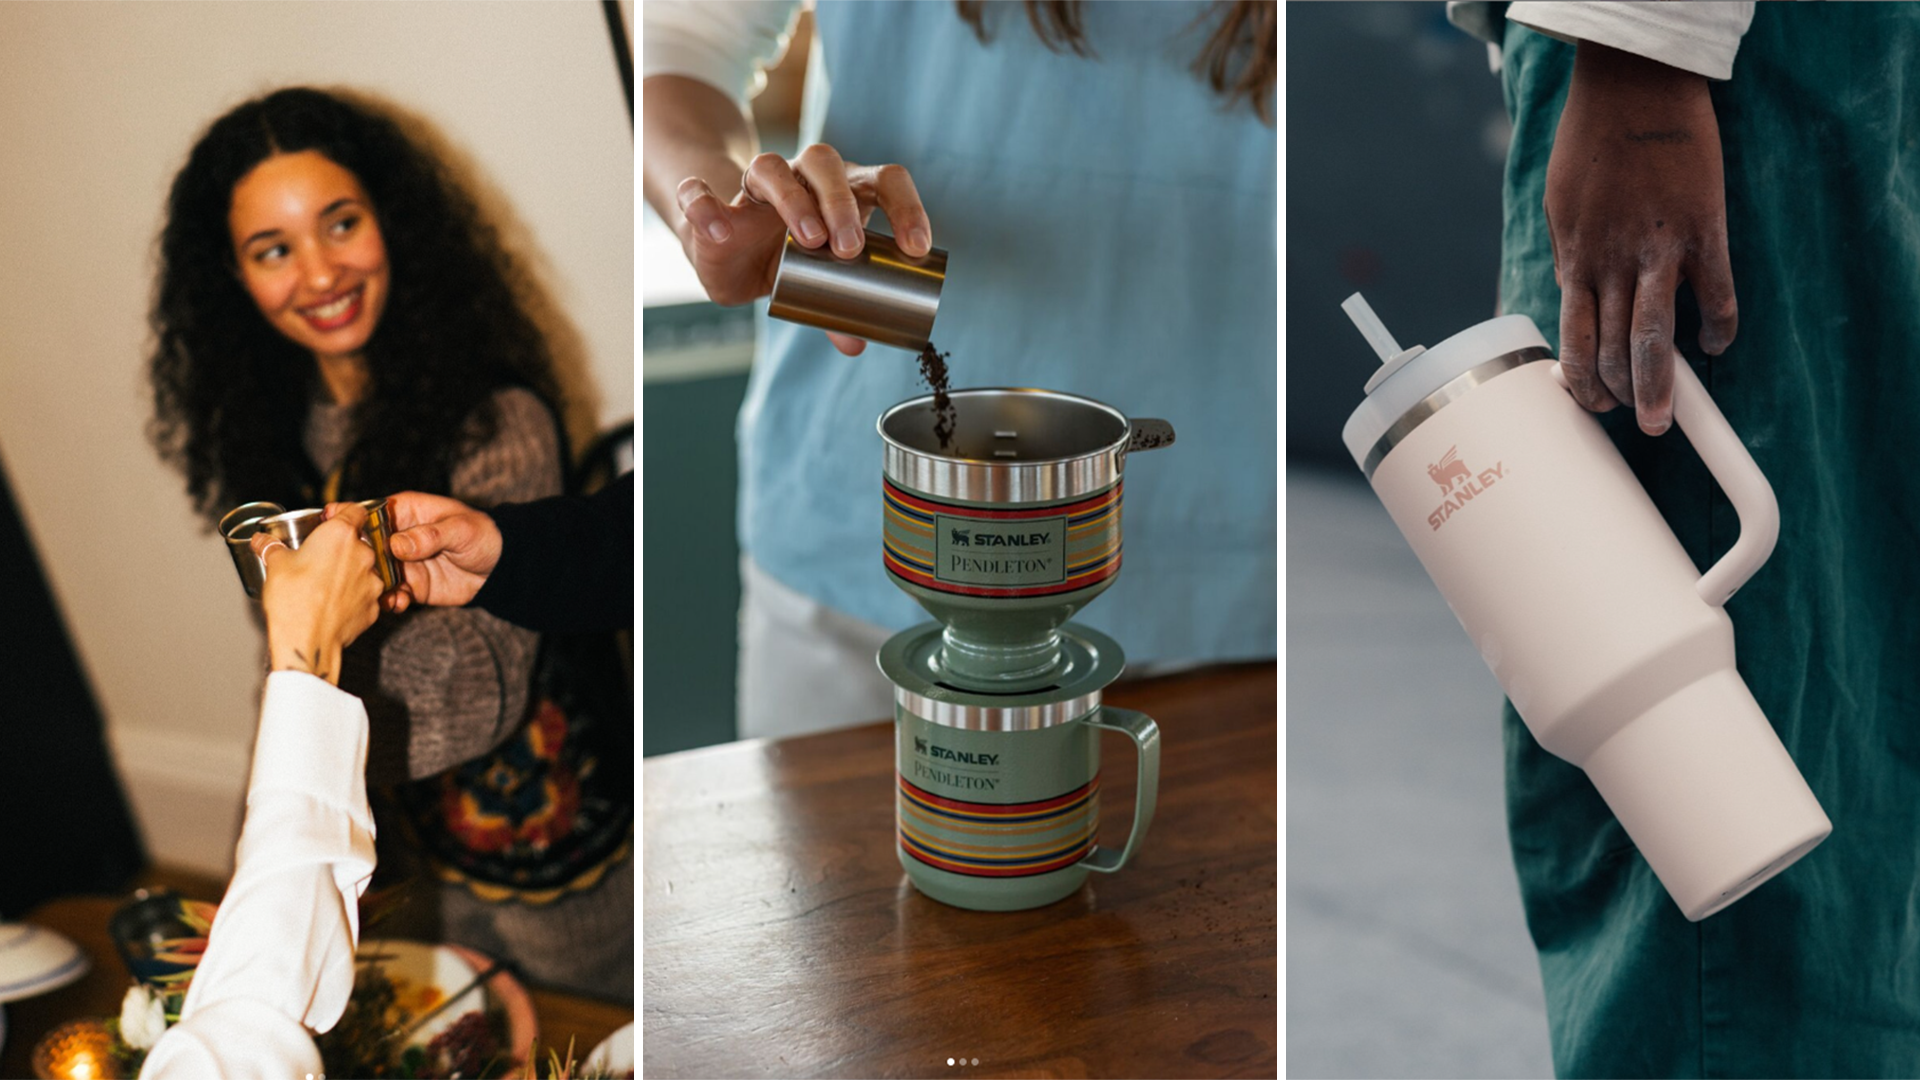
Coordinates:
292 527
881 294
378 531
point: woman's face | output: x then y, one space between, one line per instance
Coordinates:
310 252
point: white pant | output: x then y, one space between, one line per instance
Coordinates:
803 666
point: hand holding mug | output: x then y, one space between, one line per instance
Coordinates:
319 598
445 548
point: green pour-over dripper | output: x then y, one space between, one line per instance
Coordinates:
1006 530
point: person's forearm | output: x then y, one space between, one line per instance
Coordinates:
692 129
1634 82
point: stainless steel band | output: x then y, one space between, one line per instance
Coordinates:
1455 388
994 718
1005 482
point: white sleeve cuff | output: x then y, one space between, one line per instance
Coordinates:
726 46
1476 17
1701 36
312 742
233 1038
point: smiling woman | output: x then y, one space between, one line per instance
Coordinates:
311 256
290 205
336 321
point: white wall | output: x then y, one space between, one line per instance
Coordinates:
99 103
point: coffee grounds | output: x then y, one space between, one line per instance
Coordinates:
933 371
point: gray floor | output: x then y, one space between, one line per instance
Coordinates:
1407 954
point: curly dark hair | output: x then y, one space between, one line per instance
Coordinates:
231 394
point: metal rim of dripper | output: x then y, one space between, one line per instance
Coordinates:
1022 481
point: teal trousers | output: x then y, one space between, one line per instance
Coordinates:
1817 972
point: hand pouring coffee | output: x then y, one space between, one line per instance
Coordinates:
1615 651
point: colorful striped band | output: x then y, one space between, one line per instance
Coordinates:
972 551
998 840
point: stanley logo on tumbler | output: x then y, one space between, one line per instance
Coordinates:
1460 484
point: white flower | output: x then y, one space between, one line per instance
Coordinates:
143 1018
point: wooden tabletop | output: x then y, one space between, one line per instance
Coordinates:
98 993
781 938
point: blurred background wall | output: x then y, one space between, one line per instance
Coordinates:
99 103
1407 952
695 356
1396 138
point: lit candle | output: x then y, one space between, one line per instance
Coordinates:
79 1050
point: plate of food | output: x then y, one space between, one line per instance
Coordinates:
421 1010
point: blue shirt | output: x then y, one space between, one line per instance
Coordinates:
1111 228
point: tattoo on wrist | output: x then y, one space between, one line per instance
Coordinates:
309 666
1677 135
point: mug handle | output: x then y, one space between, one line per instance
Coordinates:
1146 735
1746 487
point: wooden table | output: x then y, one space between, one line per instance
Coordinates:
781 938
98 993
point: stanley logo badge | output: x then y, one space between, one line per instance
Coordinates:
1459 485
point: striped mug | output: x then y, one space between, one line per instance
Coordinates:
998 796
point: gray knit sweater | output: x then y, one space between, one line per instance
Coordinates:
446 685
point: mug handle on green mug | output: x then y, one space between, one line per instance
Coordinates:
1146 734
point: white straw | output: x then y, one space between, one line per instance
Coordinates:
1370 327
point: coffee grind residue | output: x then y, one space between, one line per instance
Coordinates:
933 371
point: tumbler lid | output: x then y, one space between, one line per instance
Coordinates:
1411 376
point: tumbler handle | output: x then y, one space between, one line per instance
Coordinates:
1746 487
1146 734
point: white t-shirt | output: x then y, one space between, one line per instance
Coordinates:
1701 36
727 46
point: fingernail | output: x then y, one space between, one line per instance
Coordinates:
719 230
812 231
922 243
847 241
